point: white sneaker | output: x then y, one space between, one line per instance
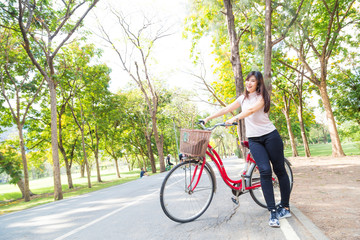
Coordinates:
274 220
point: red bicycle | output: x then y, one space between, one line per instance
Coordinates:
188 188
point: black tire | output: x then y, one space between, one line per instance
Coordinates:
180 204
257 194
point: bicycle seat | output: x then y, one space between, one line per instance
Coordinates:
245 144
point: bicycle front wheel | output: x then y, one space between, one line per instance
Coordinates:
257 194
180 201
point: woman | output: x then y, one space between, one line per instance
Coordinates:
265 143
168 160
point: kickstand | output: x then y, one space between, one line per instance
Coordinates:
235 200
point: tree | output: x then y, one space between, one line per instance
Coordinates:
293 83
142 41
80 122
141 123
243 36
10 164
18 84
46 26
74 65
345 93
321 29
286 10
235 37
66 149
115 117
286 105
95 96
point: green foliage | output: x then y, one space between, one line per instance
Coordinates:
318 134
345 94
19 79
10 163
208 19
350 131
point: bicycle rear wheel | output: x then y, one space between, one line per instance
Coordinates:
177 199
257 194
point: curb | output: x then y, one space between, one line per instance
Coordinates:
309 225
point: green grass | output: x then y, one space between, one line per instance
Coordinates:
317 150
10 195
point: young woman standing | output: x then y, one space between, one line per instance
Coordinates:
265 143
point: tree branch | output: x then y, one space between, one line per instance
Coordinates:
283 35
328 36
74 28
295 69
7 99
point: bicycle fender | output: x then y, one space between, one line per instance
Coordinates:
212 175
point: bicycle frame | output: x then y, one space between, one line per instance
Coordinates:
230 182
211 152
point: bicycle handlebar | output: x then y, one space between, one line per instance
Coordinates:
201 123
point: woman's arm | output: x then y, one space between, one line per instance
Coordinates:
256 107
223 111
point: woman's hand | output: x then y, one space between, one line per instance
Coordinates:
231 120
206 120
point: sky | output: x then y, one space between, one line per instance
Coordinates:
171 54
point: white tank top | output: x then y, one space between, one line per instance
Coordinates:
258 123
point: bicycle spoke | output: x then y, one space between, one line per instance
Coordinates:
178 201
257 193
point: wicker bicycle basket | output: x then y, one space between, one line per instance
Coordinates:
194 142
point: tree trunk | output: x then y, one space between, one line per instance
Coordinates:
337 150
21 186
85 157
159 143
236 63
25 167
150 152
68 168
291 135
138 160
68 174
288 123
234 45
222 141
117 168
58 195
62 150
268 46
82 169
142 156
96 153
128 163
303 133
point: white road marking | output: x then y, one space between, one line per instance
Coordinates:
104 217
288 231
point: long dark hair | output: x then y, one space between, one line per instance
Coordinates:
260 89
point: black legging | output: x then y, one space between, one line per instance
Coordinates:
265 149
168 161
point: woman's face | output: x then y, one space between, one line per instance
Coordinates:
251 84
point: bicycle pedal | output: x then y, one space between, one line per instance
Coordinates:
235 200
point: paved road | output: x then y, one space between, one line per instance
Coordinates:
132 211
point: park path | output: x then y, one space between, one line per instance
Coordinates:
132 211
